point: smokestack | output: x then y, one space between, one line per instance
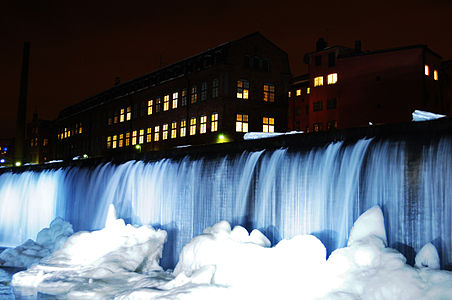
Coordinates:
22 107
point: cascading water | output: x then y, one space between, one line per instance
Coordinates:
283 192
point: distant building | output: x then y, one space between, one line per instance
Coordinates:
40 140
6 152
217 95
349 87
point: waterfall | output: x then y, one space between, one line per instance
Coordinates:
282 192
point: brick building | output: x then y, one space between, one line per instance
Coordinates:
214 96
349 87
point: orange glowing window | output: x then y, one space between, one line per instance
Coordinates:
426 70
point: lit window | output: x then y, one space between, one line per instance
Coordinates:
149 135
109 121
435 75
65 132
215 88
141 137
426 70
331 125
332 78
108 142
308 90
298 92
127 140
289 94
121 140
115 138
173 130
194 94
318 81
268 124
183 128
203 91
175 98
203 124
134 137
192 126
116 119
241 125
243 87
45 142
184 97
158 105
214 124
166 102
317 127
269 93
165 132
129 114
121 115
150 104
80 130
156 133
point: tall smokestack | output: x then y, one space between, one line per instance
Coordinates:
22 107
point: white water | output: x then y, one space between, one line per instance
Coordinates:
283 193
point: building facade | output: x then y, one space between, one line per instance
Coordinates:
215 96
349 87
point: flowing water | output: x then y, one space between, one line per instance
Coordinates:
282 192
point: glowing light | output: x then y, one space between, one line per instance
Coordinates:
138 147
85 155
18 163
2 160
221 138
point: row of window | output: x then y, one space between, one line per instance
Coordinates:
153 134
330 104
35 142
241 124
331 79
68 132
427 72
243 90
319 126
331 59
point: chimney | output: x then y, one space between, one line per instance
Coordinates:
22 107
321 44
358 46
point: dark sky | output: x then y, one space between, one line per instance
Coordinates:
79 47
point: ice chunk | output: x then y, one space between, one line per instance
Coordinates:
369 224
419 115
427 257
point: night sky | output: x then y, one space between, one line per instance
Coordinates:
79 47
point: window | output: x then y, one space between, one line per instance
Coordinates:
298 92
110 120
150 105
134 137
149 135
141 137
175 99
289 94
129 113
268 124
156 133
241 125
331 103
332 78
203 124
121 115
308 90
435 76
184 98
243 87
194 94
192 126
166 103
204 91
317 106
158 105
266 65
121 140
318 81
331 125
214 123
45 142
318 60
115 138
183 128
269 93
426 70
317 127
331 59
116 119
108 142
215 88
165 132
174 130
127 140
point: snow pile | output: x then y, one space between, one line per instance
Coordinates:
264 135
419 115
30 252
91 264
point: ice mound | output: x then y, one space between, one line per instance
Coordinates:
419 115
427 257
30 252
89 260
